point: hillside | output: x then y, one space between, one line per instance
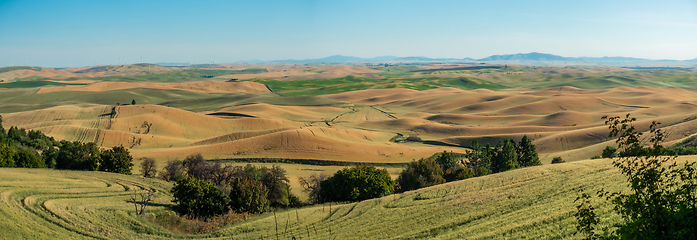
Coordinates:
534 202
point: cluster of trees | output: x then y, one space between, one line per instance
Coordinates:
675 150
33 149
662 199
480 161
206 190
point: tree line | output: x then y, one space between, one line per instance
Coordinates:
33 149
206 190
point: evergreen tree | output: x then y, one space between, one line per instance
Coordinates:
527 155
3 133
506 157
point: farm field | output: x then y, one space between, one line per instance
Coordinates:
534 202
313 119
350 117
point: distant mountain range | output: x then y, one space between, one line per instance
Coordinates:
523 58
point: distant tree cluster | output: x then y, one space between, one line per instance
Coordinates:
20 148
205 190
506 155
480 161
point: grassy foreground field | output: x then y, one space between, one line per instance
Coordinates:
529 203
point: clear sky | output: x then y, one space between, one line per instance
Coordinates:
80 33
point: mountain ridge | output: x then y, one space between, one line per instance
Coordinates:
532 57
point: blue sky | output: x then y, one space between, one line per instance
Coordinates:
80 33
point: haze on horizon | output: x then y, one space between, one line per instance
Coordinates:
85 33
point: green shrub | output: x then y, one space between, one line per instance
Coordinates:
609 152
420 174
198 198
458 173
357 184
556 160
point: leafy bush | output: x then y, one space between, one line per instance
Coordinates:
662 202
420 174
198 198
357 184
609 152
556 160
458 173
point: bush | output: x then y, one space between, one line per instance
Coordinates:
356 184
458 173
419 174
661 202
198 198
609 152
249 195
148 168
556 160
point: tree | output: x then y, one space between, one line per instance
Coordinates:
116 160
195 166
78 156
133 102
249 195
527 155
357 184
26 158
609 152
198 198
506 157
3 133
148 168
311 186
275 180
446 160
662 201
7 155
420 174
49 156
173 171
